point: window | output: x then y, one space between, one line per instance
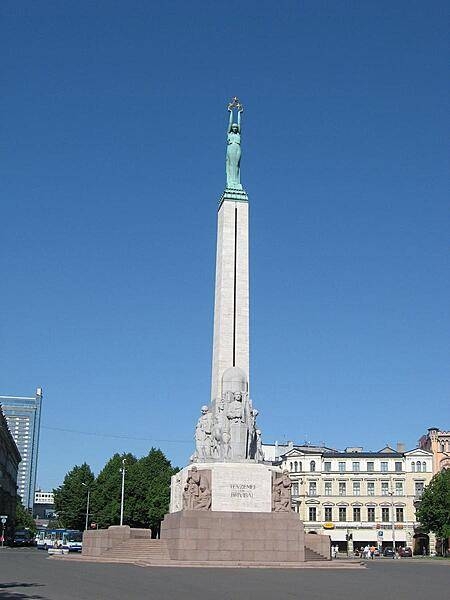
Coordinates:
370 467
328 513
295 488
356 513
384 467
342 488
300 468
399 488
341 467
342 513
355 466
312 488
356 488
312 513
419 466
385 488
398 467
424 466
328 491
327 467
296 466
418 489
399 514
385 514
413 466
371 488
371 514
312 465
291 466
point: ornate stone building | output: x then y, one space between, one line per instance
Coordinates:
360 497
9 465
437 442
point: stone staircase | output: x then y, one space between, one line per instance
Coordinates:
139 549
311 554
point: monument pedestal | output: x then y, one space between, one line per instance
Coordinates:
235 486
208 536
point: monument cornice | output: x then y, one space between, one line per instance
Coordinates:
233 194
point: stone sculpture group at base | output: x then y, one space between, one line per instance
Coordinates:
281 492
227 431
197 490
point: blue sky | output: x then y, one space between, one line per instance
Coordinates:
113 146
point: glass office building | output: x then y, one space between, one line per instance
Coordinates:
23 416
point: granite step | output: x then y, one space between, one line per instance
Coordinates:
139 549
311 554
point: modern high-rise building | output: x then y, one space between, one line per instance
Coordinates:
23 415
9 466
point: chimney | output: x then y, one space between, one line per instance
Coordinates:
400 447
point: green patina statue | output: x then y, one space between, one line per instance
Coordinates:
234 146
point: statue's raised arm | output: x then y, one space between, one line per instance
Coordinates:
233 161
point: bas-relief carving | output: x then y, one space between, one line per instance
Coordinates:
281 492
228 430
197 490
176 494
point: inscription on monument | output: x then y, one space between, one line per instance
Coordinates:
241 488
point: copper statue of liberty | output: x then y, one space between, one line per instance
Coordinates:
233 162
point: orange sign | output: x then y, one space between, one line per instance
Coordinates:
328 525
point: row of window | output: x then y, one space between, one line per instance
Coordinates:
297 466
418 467
342 514
356 488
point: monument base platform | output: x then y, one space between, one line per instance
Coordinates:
266 538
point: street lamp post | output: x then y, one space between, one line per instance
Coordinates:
87 505
391 493
123 490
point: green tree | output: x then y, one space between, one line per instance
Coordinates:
107 493
23 518
434 510
71 497
149 490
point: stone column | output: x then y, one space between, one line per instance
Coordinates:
231 308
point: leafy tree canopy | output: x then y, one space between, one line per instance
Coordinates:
434 510
107 493
149 490
23 518
71 497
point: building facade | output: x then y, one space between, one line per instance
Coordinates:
44 505
23 415
359 497
9 465
437 442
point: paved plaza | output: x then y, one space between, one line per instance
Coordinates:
30 574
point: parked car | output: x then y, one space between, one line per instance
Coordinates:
22 538
405 552
389 552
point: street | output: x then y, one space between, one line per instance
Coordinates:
30 574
